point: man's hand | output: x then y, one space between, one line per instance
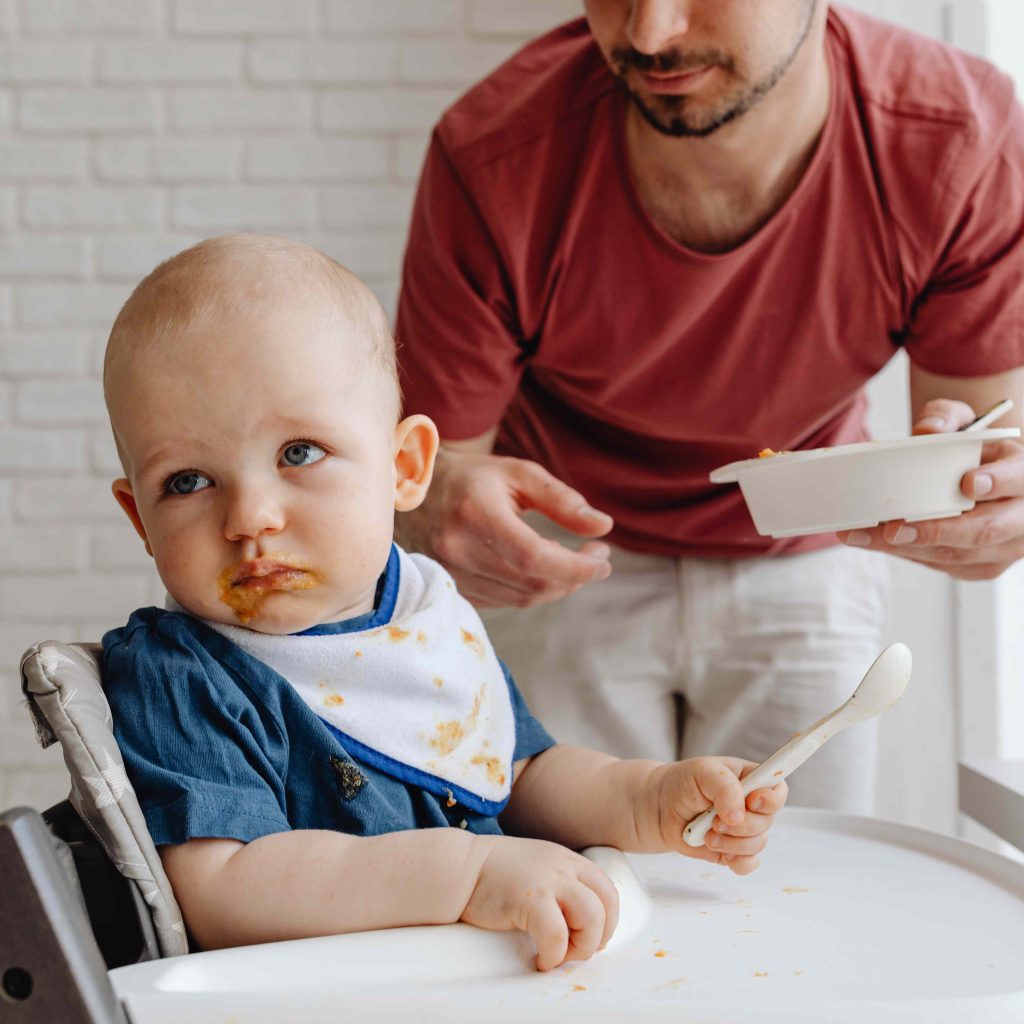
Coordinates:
977 545
676 793
470 522
564 902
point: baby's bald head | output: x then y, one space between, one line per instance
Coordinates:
175 313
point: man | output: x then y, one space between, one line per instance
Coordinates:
659 241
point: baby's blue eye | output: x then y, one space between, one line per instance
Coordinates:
187 483
302 453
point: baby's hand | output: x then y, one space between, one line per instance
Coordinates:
678 792
566 904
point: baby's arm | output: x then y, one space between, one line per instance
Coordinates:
308 882
298 884
581 797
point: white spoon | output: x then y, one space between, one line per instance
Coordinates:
883 684
994 413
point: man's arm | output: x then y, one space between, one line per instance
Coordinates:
982 543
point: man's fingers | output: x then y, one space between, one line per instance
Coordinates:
988 534
1000 477
536 488
942 415
533 563
960 563
976 532
483 592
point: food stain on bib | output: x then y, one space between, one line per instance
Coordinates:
335 700
472 641
448 735
492 766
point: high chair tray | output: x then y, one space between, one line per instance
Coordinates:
847 920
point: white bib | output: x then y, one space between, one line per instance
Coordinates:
422 698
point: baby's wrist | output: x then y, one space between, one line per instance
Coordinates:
648 809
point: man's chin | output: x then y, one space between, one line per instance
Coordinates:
671 116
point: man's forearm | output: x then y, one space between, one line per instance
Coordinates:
580 797
305 883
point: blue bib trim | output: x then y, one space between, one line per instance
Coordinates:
414 777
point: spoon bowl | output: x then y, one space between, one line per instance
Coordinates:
883 684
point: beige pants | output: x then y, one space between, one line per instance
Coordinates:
676 657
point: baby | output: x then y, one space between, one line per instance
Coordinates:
318 730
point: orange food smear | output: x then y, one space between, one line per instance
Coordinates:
246 599
473 641
492 766
448 736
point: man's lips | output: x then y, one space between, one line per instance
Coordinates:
676 83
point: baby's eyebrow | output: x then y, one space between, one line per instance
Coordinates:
166 453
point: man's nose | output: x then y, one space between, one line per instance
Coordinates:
251 512
653 24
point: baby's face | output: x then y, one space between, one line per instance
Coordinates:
263 471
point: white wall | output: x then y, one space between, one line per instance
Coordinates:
130 128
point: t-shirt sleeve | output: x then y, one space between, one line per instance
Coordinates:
200 756
458 341
531 737
969 319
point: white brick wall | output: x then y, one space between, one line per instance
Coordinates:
128 130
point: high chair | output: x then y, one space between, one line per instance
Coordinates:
848 919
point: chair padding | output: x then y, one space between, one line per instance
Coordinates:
61 683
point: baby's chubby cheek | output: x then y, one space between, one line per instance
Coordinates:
186 581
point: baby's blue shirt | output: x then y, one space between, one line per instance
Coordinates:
218 745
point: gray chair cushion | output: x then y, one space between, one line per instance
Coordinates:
61 683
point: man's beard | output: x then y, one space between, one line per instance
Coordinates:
670 114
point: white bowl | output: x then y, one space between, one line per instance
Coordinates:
859 485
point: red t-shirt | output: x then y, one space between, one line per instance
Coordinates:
539 295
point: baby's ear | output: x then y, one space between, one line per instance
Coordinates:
125 497
416 443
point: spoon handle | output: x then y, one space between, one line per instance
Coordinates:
994 413
769 772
